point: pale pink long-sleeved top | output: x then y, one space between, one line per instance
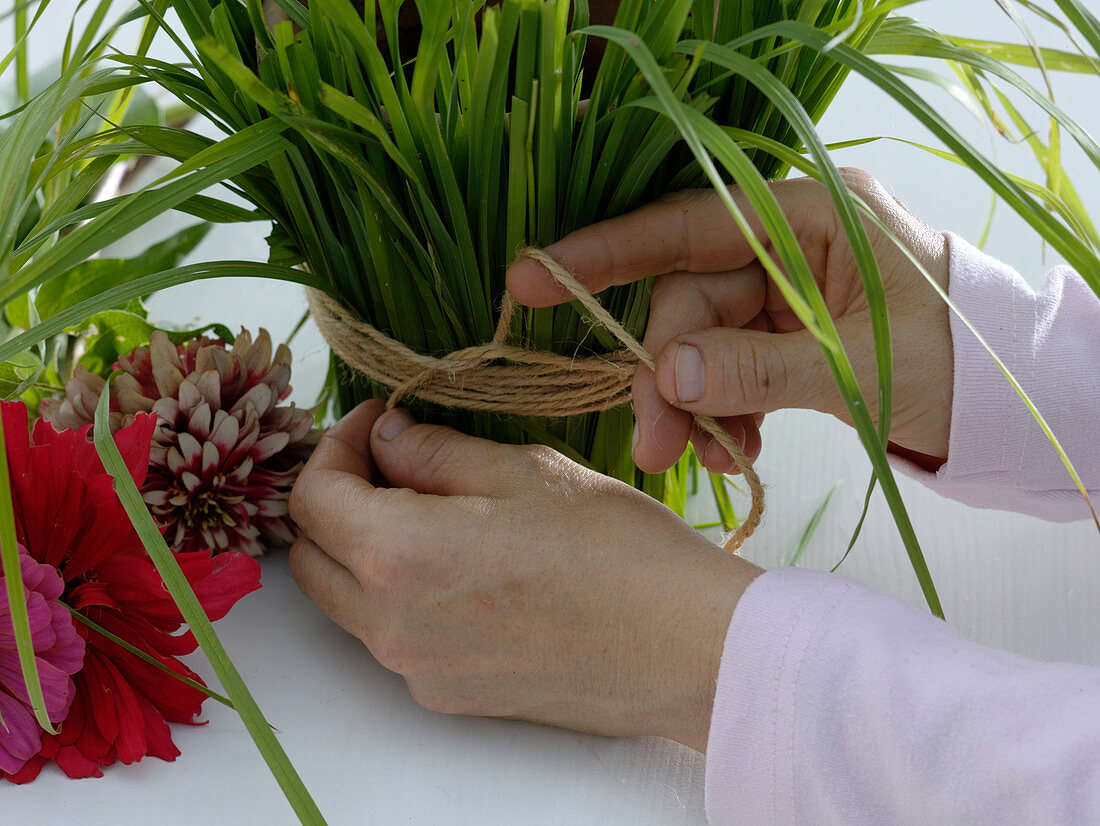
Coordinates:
836 704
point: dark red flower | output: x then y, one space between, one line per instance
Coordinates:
68 516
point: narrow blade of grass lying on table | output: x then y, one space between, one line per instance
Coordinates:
189 606
17 602
146 657
811 528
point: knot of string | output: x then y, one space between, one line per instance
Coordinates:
502 378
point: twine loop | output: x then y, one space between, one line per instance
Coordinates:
502 378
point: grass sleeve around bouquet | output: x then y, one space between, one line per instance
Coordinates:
404 153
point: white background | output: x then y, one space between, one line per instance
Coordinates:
370 755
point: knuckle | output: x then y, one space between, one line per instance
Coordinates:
546 464
386 569
544 472
394 654
296 504
297 560
684 197
540 456
434 699
747 381
448 699
858 180
436 447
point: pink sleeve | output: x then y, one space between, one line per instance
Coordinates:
836 704
998 456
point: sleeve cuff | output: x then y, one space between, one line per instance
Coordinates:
749 763
998 456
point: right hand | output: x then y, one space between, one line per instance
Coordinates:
728 345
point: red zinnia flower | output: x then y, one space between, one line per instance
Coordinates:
68 516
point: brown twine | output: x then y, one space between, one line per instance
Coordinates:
502 378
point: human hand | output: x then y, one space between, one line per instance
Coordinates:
509 581
726 342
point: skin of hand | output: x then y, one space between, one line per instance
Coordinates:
728 345
511 582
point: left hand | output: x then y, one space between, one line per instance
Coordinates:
511 582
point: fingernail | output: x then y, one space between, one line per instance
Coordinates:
394 423
634 439
691 374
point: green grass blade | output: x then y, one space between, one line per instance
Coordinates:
119 295
1055 59
17 601
146 657
805 298
192 611
726 513
859 524
229 157
810 529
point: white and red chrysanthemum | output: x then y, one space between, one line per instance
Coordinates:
226 451
68 517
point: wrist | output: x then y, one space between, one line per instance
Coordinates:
709 590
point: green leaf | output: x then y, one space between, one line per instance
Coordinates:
117 296
231 156
18 373
117 333
91 278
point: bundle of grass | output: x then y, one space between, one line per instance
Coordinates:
408 192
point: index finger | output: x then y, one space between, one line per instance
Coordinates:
339 469
689 231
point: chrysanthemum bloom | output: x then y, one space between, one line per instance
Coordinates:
58 652
226 453
68 516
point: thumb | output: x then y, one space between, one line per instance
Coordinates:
725 371
434 459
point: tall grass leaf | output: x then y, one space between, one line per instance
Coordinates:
818 319
808 532
1076 252
192 611
17 601
119 295
232 156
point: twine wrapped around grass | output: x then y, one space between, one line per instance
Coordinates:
501 378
